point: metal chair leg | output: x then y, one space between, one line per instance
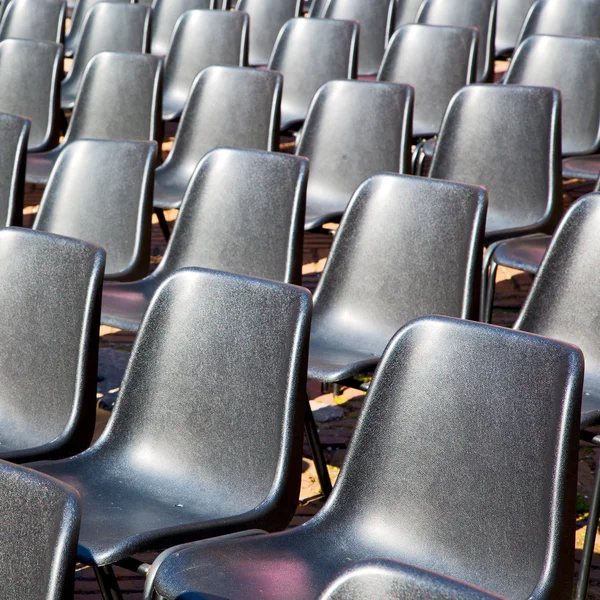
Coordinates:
109 588
164 226
312 435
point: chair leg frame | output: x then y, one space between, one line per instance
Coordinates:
107 581
162 222
312 435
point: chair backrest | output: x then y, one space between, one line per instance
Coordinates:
309 53
486 134
111 27
316 8
207 338
509 22
415 473
101 191
555 17
202 38
553 61
39 529
40 20
467 13
119 99
267 17
437 61
385 267
49 407
376 18
14 132
406 12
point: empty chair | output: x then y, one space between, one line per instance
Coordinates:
354 129
217 114
39 528
100 191
185 455
49 352
108 26
467 13
119 99
406 12
309 53
40 20
200 39
14 132
376 20
509 22
408 490
437 61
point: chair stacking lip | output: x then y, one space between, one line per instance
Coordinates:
408 490
510 18
49 407
201 38
108 26
406 12
40 20
39 535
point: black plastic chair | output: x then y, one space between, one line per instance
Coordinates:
376 18
39 20
108 26
217 113
201 38
243 213
14 133
437 61
185 454
49 387
406 12
309 53
39 527
354 129
119 99
415 476
480 14
509 22
100 191
316 8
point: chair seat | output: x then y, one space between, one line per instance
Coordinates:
524 254
429 147
39 166
169 191
324 208
68 94
292 116
172 106
330 363
124 304
582 167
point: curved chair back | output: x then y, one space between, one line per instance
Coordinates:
14 132
39 529
376 19
49 407
437 61
553 61
201 38
486 134
40 20
406 12
316 8
100 191
267 17
309 53
509 22
480 14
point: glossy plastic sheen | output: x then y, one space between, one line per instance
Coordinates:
217 114
40 20
375 18
437 61
84 199
119 99
201 38
35 96
267 17
524 254
354 129
309 53
467 13
486 133
243 212
111 27
385 269
49 409
187 454
509 22
14 132
406 12
408 491
38 527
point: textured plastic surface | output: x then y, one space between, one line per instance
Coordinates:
467 13
49 408
509 21
14 132
385 269
582 167
201 38
243 212
119 99
217 114
39 527
111 27
524 254
408 491
406 12
309 53
101 192
437 61
40 20
354 129
186 453
486 133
